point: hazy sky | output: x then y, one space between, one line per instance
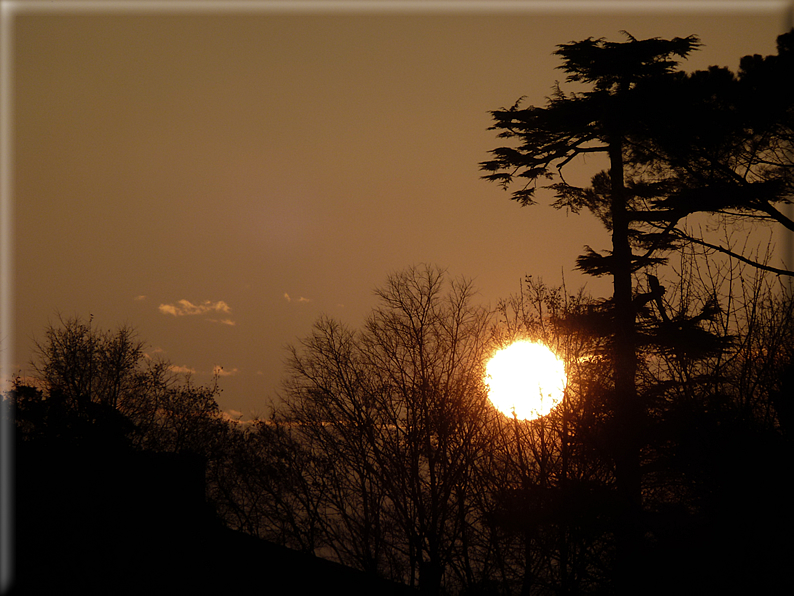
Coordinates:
219 178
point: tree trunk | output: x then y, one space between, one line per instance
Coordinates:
628 414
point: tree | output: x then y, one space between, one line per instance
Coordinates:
677 145
721 143
547 482
716 438
100 381
86 365
111 449
262 483
391 416
602 120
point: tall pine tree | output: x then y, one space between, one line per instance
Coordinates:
609 119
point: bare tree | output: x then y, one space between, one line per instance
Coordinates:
86 365
90 375
545 487
261 484
392 417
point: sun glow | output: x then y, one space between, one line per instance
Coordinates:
525 380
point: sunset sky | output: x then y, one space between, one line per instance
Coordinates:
218 175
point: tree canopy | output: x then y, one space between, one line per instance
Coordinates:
677 144
710 141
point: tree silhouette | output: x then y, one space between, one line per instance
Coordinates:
115 459
85 365
90 376
96 511
392 418
604 120
549 480
722 143
677 145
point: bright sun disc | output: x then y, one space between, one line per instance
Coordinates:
525 379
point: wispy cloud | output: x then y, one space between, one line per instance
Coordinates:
223 321
288 298
221 372
157 350
185 307
235 417
139 298
182 369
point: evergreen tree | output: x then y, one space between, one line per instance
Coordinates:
607 118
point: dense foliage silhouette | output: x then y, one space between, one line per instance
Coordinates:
677 144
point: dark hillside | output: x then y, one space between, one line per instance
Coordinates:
100 518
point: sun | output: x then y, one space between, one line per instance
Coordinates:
525 380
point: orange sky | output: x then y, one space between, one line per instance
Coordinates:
219 178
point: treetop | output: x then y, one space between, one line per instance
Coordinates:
609 64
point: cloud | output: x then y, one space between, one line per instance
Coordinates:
288 298
219 370
182 369
141 297
223 321
154 351
185 307
236 414
235 417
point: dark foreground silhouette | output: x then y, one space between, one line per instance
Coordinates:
94 518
